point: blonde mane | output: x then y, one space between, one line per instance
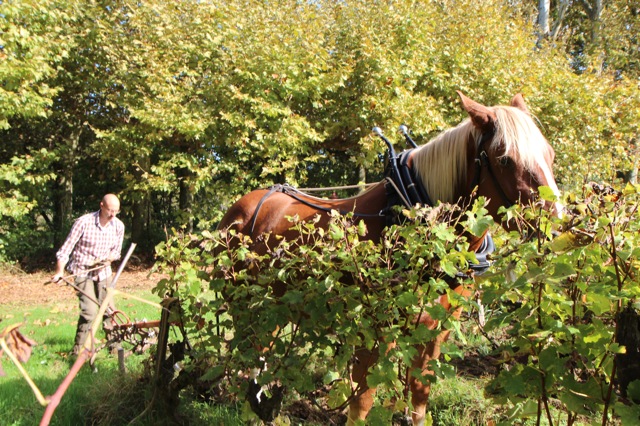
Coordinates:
442 162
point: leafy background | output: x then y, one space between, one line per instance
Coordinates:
182 107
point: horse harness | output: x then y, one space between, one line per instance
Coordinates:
405 188
482 160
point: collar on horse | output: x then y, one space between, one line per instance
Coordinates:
403 184
404 187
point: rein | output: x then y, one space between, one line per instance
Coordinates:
294 193
404 187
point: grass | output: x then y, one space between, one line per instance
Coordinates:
459 399
103 396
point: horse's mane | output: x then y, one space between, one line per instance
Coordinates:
442 162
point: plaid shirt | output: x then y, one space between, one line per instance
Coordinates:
89 243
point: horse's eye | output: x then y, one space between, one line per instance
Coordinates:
505 161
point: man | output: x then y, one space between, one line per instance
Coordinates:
94 242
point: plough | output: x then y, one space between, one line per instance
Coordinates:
141 335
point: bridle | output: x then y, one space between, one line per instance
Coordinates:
482 161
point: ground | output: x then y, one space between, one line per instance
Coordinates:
23 289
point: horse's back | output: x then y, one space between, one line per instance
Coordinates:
263 211
268 211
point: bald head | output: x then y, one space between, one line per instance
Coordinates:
110 198
109 207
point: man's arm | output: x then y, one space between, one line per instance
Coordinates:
116 251
59 272
65 251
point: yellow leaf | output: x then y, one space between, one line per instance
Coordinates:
564 242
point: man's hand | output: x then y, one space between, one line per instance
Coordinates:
56 277
58 271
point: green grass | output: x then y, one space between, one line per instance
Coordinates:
458 401
103 396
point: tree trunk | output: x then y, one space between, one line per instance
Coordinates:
544 7
362 177
628 335
63 207
139 207
633 174
63 194
593 8
561 10
595 15
186 197
138 219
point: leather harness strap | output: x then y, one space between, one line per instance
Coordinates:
405 187
412 183
254 217
294 193
482 160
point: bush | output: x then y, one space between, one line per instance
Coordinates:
555 300
23 241
342 292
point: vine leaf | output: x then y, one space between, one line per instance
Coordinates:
17 343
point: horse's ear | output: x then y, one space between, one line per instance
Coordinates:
518 102
481 116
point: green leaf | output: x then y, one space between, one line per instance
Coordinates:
633 390
407 298
563 242
563 269
547 194
330 377
629 414
449 267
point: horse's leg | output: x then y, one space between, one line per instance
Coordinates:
266 406
363 399
420 391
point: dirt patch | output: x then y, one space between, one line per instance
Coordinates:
19 288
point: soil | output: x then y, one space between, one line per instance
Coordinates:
19 288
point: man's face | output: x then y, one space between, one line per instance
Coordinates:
109 209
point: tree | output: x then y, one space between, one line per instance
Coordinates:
29 48
182 107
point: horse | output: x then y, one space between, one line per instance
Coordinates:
497 152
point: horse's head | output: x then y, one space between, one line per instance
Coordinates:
510 157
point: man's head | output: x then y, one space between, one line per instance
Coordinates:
109 206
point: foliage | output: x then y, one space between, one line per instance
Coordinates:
556 302
567 294
182 107
343 292
29 50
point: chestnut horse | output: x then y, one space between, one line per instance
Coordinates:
498 153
